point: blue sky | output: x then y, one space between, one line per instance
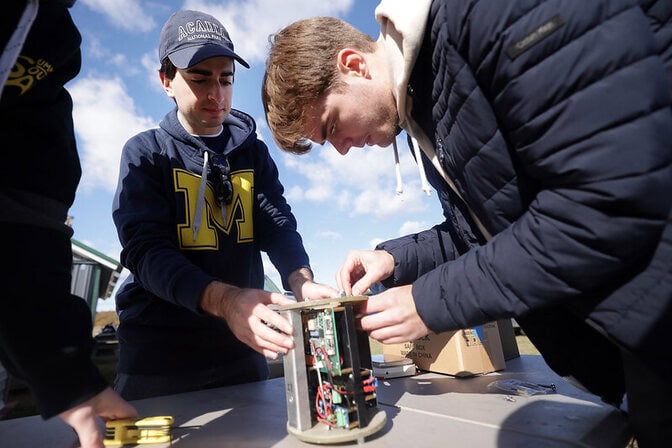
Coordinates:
341 203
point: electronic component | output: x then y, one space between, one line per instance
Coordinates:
329 383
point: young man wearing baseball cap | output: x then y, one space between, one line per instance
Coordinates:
197 201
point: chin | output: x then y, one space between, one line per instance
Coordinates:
384 143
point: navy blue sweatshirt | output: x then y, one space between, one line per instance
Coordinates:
162 329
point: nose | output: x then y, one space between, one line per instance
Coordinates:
216 93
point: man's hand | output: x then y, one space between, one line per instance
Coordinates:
391 316
304 288
107 405
250 319
363 268
312 290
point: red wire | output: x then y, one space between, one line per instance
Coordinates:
325 417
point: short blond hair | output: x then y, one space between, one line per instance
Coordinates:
301 68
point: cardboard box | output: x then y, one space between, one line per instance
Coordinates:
460 353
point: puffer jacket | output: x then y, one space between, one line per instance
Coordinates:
553 120
659 13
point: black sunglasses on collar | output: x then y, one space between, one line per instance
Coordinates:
221 171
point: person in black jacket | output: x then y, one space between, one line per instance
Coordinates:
198 199
45 331
546 130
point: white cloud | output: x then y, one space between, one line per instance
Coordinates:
378 202
319 175
374 242
95 49
330 235
343 199
410 227
124 14
361 183
262 127
249 23
319 193
105 118
151 69
119 60
294 194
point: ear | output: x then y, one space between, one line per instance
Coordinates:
167 85
352 62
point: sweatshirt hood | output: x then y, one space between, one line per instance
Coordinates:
240 125
402 28
402 32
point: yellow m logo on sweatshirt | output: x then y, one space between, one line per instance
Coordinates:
238 213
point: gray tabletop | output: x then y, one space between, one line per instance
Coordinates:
427 410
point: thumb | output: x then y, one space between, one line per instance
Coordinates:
362 285
281 299
86 427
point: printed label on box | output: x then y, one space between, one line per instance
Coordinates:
465 352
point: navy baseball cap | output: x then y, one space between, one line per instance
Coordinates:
189 37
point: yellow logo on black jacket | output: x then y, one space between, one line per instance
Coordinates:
27 71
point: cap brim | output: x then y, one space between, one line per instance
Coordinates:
188 57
